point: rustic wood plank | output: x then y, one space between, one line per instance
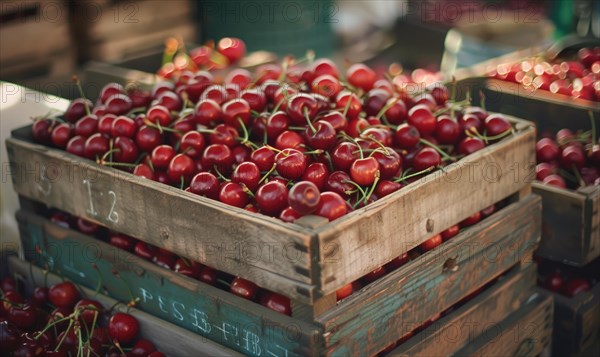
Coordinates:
418 291
454 331
208 311
570 225
311 312
367 238
269 252
576 322
525 333
168 338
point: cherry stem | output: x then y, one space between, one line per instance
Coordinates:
123 164
347 106
276 108
267 174
135 111
580 180
64 336
221 176
436 148
132 301
99 284
354 141
78 84
244 140
296 128
276 150
405 177
366 196
313 152
387 123
109 153
487 139
482 100
308 120
181 182
452 107
329 161
247 190
387 107
160 127
357 186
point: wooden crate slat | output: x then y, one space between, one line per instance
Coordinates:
420 291
461 327
168 338
385 229
206 310
259 248
524 333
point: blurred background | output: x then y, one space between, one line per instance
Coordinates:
44 42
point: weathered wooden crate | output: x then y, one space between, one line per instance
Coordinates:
307 261
527 332
168 338
364 323
35 39
571 219
576 323
114 30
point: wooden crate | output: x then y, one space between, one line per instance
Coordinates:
114 30
576 323
168 338
526 332
414 293
35 39
308 260
571 219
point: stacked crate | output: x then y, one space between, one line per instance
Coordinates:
309 260
51 54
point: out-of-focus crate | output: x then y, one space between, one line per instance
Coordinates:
34 39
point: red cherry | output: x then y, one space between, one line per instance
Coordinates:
61 134
95 146
331 206
301 105
122 241
420 117
192 144
276 302
165 259
572 156
317 173
289 215
181 169
143 170
344 292
109 90
450 232
291 164
272 198
343 155
255 97
576 286
244 288
208 276
233 194
385 187
123 327
90 311
148 138
207 111
235 111
87 227
406 136
232 48
224 134
142 348
263 157
118 104
144 250
158 114
169 100
86 126
324 66
76 109
363 171
219 156
361 76
555 180
426 158
469 145
496 124
390 163
447 130
374 275
396 112
431 243
471 220
105 124
40 296
289 140
323 137
304 197
189 269
375 100
326 85
161 156
543 170
125 150
123 126
22 316
63 295
356 126
355 106
554 281
247 173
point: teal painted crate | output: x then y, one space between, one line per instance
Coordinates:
362 324
168 338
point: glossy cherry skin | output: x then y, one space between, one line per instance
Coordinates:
355 106
231 47
123 126
122 241
406 136
386 187
470 145
181 169
144 250
148 138
364 171
572 156
91 311
289 140
431 243
317 173
291 164
63 295
76 109
218 156
263 157
554 281
159 115
289 215
543 170
22 316
142 348
324 136
123 327
396 112
95 146
125 150
189 269
86 126
244 288
326 85
546 150
421 117
304 197
496 124
247 173
207 111
361 76
233 194
390 163
471 220
192 144
61 134
344 292
161 156
331 206
575 286
276 302
118 104
343 155
450 232
374 275
555 180
236 112
272 198
447 130
301 105
426 158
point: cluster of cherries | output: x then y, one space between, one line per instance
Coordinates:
567 159
242 287
293 139
566 280
176 59
578 78
57 321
